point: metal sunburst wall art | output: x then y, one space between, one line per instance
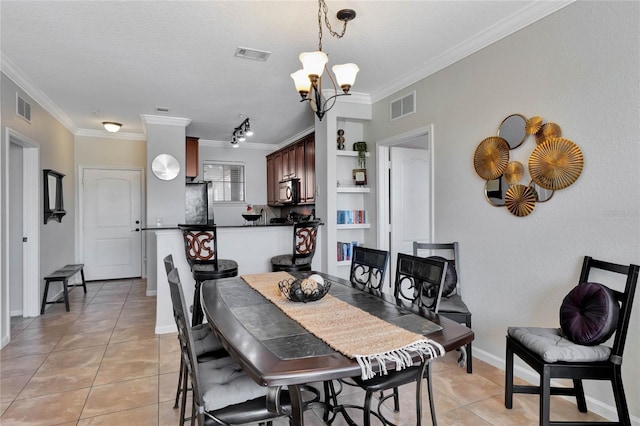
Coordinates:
554 164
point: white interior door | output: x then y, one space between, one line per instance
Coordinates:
112 243
409 201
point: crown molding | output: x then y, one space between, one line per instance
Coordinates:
353 97
509 25
103 134
164 120
11 70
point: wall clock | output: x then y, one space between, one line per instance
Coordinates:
165 167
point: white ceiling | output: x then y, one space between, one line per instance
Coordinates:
124 58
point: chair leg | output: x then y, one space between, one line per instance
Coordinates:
582 403
621 400
545 396
432 406
508 377
183 403
182 366
469 359
367 409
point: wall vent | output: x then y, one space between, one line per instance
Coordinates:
255 54
23 108
403 106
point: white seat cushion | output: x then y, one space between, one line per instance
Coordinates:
549 344
225 385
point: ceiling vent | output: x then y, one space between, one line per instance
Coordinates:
162 110
257 55
23 108
403 106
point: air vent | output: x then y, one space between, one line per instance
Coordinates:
162 110
23 108
403 106
257 55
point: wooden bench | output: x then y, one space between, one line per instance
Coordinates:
63 274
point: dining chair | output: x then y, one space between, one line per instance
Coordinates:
207 347
418 282
304 247
368 268
222 393
590 315
451 305
201 250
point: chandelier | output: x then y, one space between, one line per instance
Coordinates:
308 80
241 132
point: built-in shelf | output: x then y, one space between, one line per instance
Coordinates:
353 189
354 226
349 153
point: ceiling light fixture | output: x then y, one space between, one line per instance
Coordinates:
241 132
111 126
309 78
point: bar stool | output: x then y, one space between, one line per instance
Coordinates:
201 250
304 247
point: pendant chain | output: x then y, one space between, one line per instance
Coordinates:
322 8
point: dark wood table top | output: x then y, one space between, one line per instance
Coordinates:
275 351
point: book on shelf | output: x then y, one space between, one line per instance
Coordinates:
350 217
345 250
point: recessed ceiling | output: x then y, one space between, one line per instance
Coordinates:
126 58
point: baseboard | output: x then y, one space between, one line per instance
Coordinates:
596 406
167 329
5 341
16 313
152 292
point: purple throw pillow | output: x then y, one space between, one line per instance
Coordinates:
451 277
589 314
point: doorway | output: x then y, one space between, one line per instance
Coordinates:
405 193
110 223
19 220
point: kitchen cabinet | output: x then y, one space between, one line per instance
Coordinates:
191 158
295 160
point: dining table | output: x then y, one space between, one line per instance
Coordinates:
276 351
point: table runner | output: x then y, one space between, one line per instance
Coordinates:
334 321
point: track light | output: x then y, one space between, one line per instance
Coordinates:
241 132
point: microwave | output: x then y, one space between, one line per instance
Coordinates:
289 191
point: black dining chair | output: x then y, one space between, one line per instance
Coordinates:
207 347
304 247
368 268
451 305
418 282
222 393
589 315
201 250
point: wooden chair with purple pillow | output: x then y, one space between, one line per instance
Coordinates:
589 316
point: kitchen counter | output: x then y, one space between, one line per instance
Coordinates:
251 246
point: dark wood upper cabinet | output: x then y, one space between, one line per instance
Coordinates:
295 160
191 158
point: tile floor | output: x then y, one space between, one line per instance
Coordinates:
102 364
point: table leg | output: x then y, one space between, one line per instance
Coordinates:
297 413
198 315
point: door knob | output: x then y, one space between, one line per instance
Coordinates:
136 230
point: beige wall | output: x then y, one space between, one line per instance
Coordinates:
109 152
579 68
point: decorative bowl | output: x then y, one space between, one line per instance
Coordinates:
251 217
304 289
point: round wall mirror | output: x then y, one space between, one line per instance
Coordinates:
513 130
495 191
542 194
